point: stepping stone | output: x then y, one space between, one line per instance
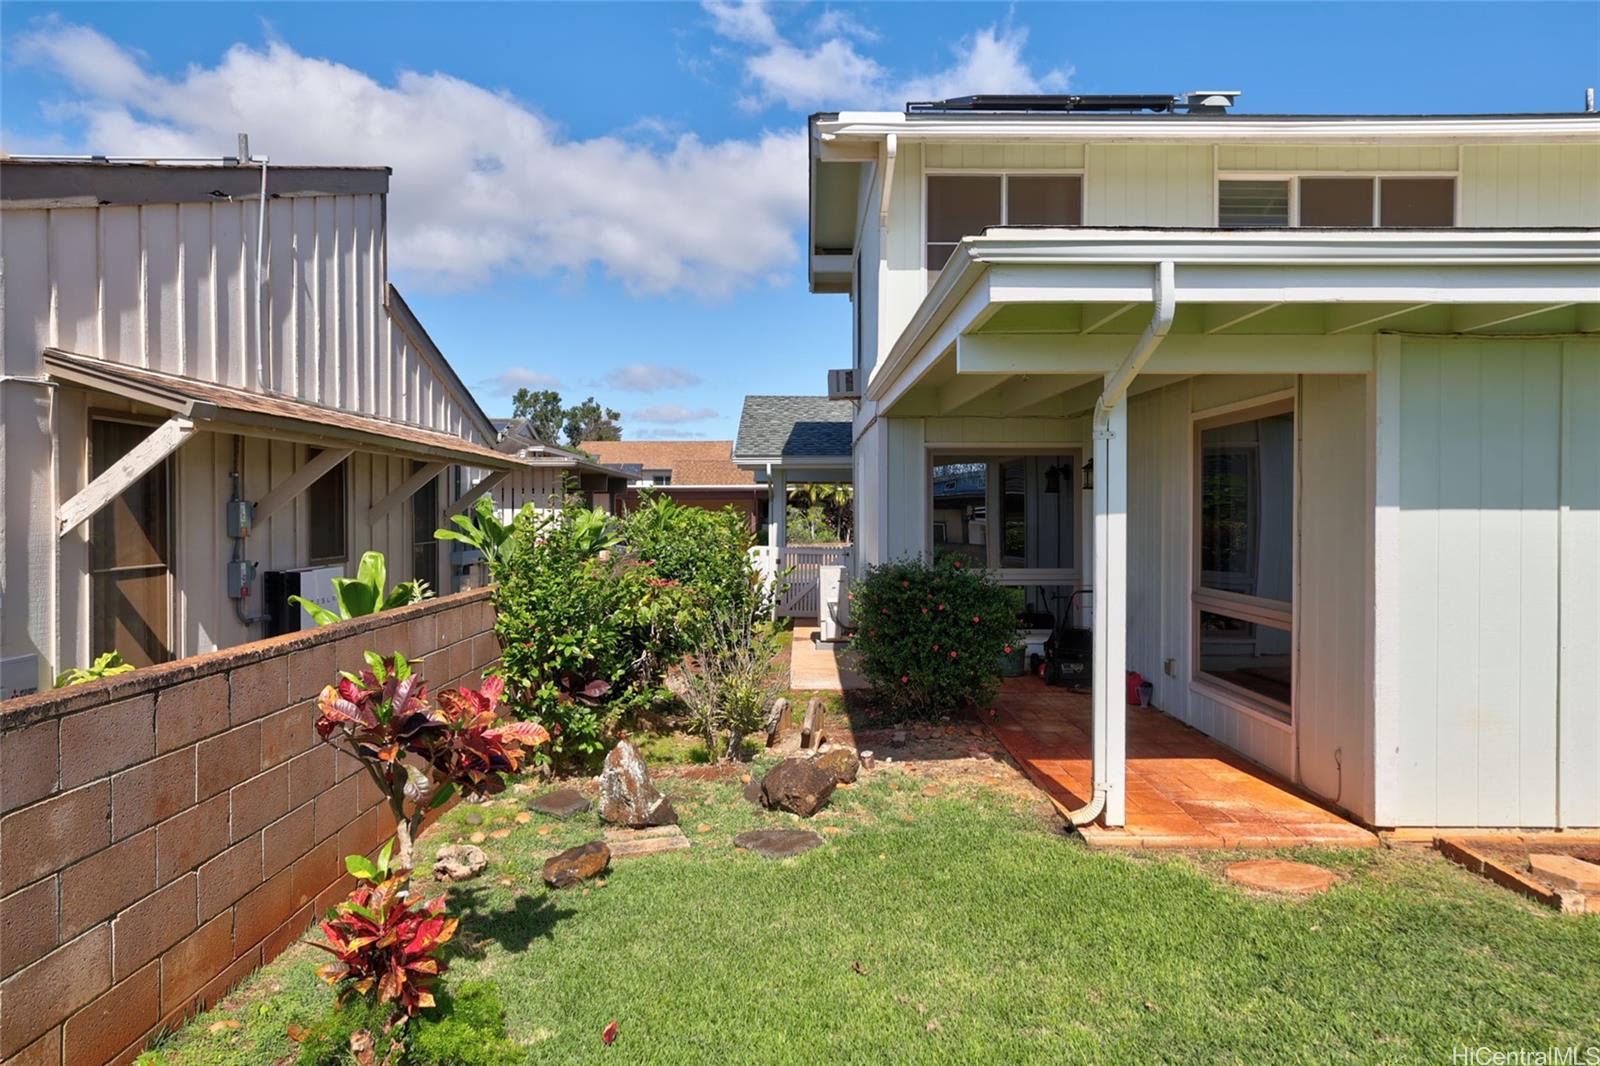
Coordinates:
562 803
629 842
1564 871
777 843
1281 875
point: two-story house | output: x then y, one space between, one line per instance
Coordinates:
1310 403
209 393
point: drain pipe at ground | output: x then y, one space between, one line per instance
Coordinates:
1108 690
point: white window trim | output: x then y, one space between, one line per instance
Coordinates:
1009 575
1293 178
1275 613
1004 174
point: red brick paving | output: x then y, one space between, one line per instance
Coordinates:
1184 789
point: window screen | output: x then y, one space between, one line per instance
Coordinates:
1336 202
1044 200
1252 204
959 206
325 503
1424 202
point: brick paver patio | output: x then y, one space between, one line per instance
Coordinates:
1184 789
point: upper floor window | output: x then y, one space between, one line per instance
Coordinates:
962 205
326 503
1357 201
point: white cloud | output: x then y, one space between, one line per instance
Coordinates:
672 434
518 377
650 377
834 74
482 182
671 414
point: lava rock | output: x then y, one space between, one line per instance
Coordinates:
576 865
752 790
798 786
459 862
562 803
777 843
840 761
627 796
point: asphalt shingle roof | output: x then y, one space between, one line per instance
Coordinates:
794 427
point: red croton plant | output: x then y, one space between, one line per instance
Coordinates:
419 753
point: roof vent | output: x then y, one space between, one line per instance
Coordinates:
1209 101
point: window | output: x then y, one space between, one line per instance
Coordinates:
1342 201
660 479
326 506
963 205
1034 497
424 520
130 552
1244 585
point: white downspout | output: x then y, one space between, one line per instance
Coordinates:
1110 557
261 244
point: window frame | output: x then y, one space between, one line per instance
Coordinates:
1293 178
935 454
1260 610
169 466
343 469
1004 174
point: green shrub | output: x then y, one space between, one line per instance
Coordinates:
108 665
467 1028
930 635
583 626
708 552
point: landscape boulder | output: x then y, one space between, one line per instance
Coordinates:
576 865
798 786
627 796
841 761
459 862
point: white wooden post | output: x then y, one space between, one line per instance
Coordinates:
1111 614
778 510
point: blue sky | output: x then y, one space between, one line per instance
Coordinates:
610 197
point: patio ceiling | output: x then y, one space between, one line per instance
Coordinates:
1022 320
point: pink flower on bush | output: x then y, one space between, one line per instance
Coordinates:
936 647
941 607
924 610
952 655
1008 649
976 619
958 564
904 678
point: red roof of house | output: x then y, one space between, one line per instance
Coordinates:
691 462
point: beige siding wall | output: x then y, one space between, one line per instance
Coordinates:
1313 158
1149 185
1530 185
1495 711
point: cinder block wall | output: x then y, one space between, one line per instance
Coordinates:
165 832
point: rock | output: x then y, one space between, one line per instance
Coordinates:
1564 871
775 720
576 865
626 842
1281 875
626 795
459 862
777 843
752 790
474 818
562 803
799 786
842 762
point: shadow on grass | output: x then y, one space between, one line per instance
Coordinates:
528 918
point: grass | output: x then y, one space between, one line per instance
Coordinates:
981 933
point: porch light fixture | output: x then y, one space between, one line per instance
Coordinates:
1088 475
1052 478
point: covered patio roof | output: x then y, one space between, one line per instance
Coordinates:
1019 317
808 437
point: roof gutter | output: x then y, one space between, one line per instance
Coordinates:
1107 692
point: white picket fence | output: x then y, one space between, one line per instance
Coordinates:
799 568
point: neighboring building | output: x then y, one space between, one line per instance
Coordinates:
552 472
169 350
1339 379
793 440
695 473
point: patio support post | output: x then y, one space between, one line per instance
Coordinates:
1111 613
778 509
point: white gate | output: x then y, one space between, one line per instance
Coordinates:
799 566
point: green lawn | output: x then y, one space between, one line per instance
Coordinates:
982 935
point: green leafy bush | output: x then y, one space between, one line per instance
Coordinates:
466 1028
708 552
584 628
482 529
930 635
733 678
363 594
108 665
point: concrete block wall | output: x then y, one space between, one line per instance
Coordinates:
165 832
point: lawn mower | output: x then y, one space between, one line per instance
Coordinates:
1069 653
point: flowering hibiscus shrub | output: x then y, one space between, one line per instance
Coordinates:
383 715
707 552
585 628
930 635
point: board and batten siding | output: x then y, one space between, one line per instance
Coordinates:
1495 706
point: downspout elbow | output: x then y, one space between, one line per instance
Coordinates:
1120 379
